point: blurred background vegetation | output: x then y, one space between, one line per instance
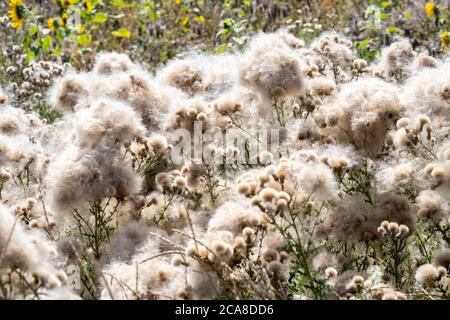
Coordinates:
153 31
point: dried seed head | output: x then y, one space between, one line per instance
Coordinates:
202 117
402 123
248 234
270 255
429 168
358 279
180 182
392 227
441 271
330 272
389 296
381 230
4 175
244 188
267 194
427 275
281 204
191 250
284 195
177 260
239 242
192 112
403 230
274 267
400 295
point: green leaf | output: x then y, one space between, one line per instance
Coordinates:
121 4
83 39
227 23
408 15
122 33
222 48
59 35
26 42
30 56
57 52
117 3
384 16
80 28
100 17
163 57
33 29
363 44
385 4
46 43
394 30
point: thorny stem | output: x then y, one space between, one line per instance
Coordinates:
444 231
7 290
348 136
279 110
300 253
123 284
25 281
394 249
212 184
44 208
8 240
234 122
422 247
168 202
101 229
361 181
428 150
165 253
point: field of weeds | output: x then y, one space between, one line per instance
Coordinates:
224 150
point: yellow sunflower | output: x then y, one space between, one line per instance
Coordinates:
88 5
430 9
65 16
51 24
55 23
16 13
445 39
66 3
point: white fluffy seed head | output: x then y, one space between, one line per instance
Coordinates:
441 271
389 296
403 230
402 123
244 188
180 182
274 267
330 272
177 260
358 279
427 275
400 295
239 242
268 194
381 230
392 227
429 168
